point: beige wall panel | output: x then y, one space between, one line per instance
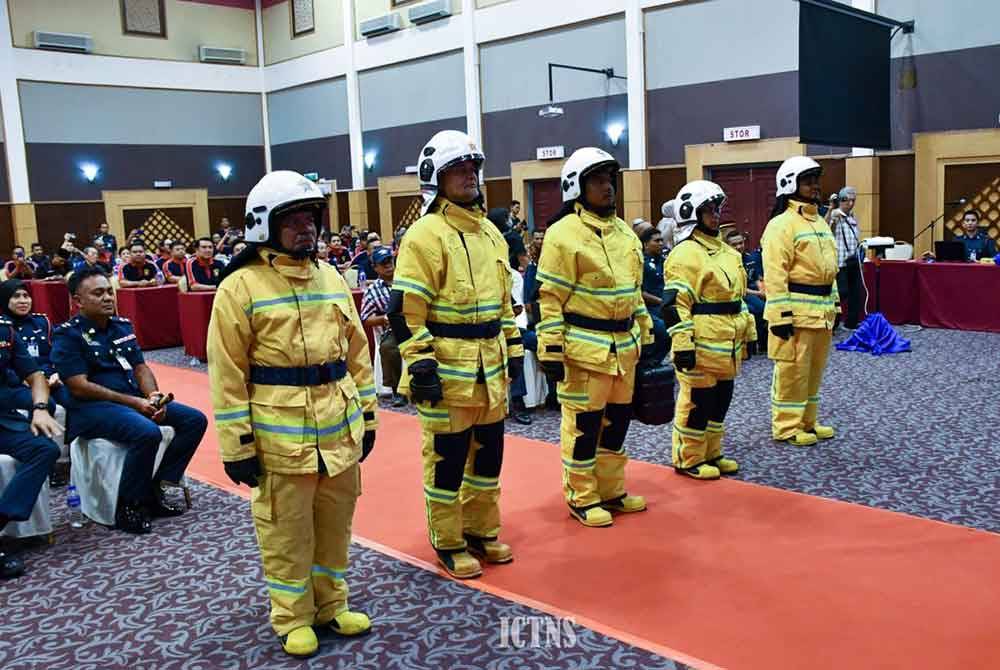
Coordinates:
189 25
279 45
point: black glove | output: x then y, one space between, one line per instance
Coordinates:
367 444
554 371
243 472
515 367
684 360
784 331
425 384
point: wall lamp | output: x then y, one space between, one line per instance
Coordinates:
614 131
370 160
225 170
89 171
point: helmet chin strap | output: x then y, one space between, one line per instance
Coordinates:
705 229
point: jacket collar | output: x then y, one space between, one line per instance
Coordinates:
806 210
591 219
458 217
285 265
711 242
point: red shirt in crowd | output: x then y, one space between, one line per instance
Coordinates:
203 272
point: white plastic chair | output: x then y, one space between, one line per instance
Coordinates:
40 521
97 472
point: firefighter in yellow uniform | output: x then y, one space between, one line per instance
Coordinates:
452 314
593 326
294 404
710 326
800 273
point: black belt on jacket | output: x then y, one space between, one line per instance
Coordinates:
603 325
810 289
734 307
312 375
465 331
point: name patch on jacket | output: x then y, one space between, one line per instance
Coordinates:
121 340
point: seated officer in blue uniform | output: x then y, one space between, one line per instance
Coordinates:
753 263
114 396
978 243
27 441
652 291
35 332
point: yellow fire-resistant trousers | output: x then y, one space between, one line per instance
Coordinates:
462 454
799 363
702 404
596 411
303 527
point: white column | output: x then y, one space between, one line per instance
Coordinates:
867 6
473 98
353 101
636 66
17 160
263 88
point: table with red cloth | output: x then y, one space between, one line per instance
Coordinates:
195 311
153 313
960 296
50 298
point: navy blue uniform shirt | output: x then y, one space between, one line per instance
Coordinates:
108 357
35 332
979 246
16 363
652 275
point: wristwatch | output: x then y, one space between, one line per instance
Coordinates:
43 406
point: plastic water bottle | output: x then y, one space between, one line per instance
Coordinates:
361 279
73 503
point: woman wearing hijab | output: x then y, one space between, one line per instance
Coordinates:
36 333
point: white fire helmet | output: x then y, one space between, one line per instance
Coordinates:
276 193
446 149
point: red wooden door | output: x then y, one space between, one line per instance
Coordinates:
546 201
750 197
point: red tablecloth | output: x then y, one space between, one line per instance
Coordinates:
358 294
960 296
153 312
50 298
900 299
963 296
195 310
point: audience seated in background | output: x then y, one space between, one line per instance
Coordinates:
91 259
362 261
58 267
113 395
29 441
174 267
374 308
138 272
40 263
238 248
653 287
18 267
203 270
104 256
517 254
518 384
107 239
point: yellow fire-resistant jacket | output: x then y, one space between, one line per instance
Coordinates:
453 269
591 267
702 269
289 313
798 247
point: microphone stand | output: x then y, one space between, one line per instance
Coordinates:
930 225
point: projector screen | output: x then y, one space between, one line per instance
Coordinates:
844 80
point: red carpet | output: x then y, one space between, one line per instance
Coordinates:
715 573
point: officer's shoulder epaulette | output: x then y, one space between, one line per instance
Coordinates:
4 321
120 319
75 321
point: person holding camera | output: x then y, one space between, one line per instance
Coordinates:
847 237
19 267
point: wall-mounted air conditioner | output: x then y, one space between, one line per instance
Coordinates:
63 42
430 11
222 55
381 25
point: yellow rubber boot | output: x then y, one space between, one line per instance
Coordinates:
703 471
349 623
726 466
489 550
301 642
460 564
823 432
592 517
802 439
625 504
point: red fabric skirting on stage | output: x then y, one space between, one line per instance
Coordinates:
195 309
153 312
50 298
960 296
